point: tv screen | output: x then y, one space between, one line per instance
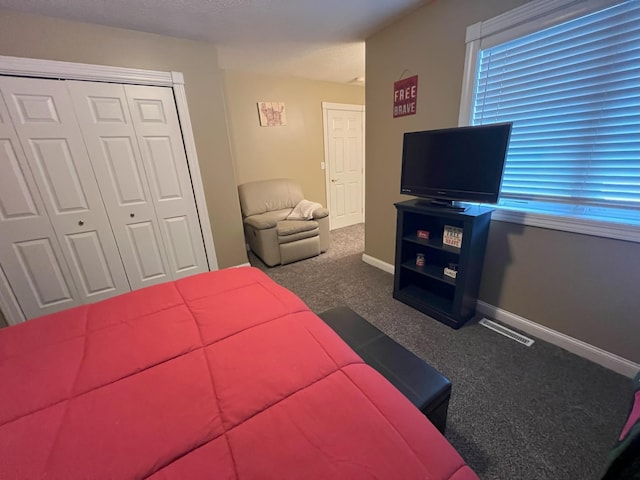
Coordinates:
455 164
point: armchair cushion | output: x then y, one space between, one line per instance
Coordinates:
266 220
312 234
291 227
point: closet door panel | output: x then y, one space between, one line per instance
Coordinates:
16 199
181 245
148 254
109 135
158 132
30 255
44 120
59 175
86 249
41 269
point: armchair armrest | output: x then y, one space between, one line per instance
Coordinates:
320 213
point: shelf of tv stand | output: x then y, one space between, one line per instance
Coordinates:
451 301
424 300
432 271
435 243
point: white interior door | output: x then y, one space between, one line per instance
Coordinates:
43 117
344 135
155 121
104 118
30 255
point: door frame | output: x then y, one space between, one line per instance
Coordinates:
326 106
21 67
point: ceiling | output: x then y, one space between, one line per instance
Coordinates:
316 39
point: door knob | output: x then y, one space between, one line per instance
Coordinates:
333 180
132 215
80 223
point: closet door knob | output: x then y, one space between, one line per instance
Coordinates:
132 215
80 223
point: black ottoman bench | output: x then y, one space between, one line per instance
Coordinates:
422 384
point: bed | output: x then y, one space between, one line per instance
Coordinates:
223 375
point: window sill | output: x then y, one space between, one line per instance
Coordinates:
614 230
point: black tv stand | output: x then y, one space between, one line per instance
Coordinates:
424 285
441 205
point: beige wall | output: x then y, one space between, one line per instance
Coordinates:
53 39
583 286
294 150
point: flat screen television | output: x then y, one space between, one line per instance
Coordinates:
463 164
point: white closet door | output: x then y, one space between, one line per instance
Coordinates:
105 121
30 255
42 114
155 121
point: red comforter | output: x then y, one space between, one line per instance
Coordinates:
220 375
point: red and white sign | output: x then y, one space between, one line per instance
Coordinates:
405 96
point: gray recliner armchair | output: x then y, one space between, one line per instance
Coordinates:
280 226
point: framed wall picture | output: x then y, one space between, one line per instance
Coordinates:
272 114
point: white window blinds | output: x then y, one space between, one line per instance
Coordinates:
572 92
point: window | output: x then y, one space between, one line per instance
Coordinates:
571 87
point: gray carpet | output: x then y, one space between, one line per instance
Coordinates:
515 412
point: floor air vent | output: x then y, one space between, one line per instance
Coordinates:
506 332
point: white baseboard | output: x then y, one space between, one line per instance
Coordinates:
387 267
241 265
597 355
578 347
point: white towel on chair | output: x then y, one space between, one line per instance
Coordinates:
303 210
